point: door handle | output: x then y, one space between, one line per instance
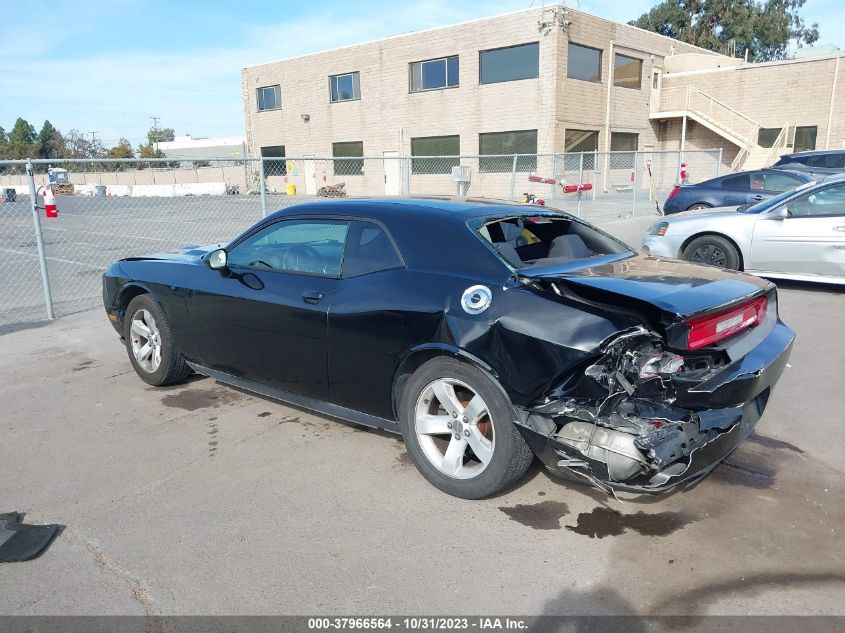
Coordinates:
312 296
839 227
758 197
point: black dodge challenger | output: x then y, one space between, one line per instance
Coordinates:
484 332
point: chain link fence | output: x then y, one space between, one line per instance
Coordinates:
110 209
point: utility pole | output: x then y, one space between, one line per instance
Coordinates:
155 121
94 136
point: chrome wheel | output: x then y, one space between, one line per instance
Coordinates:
146 340
454 429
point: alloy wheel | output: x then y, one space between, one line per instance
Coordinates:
146 340
453 427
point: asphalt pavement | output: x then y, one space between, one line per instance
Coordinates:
203 499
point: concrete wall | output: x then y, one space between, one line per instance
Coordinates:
797 92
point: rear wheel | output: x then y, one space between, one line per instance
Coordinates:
459 431
699 205
712 250
152 348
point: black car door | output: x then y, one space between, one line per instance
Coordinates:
264 318
374 318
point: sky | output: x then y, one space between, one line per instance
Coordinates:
107 66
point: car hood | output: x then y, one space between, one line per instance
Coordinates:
676 287
697 213
184 254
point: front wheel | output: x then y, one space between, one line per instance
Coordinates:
712 250
699 205
152 348
459 431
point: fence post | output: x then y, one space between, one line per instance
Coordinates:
513 175
634 185
261 189
719 163
39 241
580 181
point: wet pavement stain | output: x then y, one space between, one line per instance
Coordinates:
746 473
545 515
403 459
541 494
770 442
83 366
264 414
195 399
601 522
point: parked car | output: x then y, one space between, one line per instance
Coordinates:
485 333
799 235
746 187
818 163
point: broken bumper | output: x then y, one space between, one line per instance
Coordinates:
748 381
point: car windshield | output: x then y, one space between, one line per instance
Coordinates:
765 205
530 240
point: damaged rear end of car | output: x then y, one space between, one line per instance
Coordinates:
660 403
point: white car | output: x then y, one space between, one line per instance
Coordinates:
798 235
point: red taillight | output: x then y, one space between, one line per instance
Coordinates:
715 327
674 191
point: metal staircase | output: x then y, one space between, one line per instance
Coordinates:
720 118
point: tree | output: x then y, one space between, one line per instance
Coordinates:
123 149
22 139
155 135
4 141
50 142
77 146
764 28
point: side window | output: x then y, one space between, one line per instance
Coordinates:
369 249
830 161
310 247
780 182
737 182
824 202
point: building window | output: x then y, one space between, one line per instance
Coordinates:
344 153
509 64
345 87
269 98
583 63
766 136
449 147
805 138
623 142
497 150
627 71
275 165
655 80
434 74
577 141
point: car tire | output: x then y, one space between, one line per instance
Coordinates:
699 205
484 425
146 323
712 250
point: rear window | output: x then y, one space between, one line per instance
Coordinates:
792 160
828 161
526 241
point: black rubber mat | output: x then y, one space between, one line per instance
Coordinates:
21 542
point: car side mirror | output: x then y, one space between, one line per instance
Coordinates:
780 214
218 260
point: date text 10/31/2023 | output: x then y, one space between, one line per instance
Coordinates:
417 623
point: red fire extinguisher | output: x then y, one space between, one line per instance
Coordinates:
50 209
684 177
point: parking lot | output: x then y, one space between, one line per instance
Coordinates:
202 499
92 232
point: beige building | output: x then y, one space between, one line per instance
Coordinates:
538 81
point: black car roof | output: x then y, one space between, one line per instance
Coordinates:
815 152
465 208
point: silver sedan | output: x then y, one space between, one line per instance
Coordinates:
798 235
